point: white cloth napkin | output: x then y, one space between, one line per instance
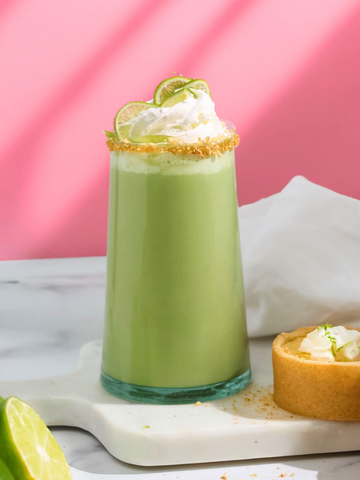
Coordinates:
301 259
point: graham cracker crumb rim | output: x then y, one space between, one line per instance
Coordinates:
201 149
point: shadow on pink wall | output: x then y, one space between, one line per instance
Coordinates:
312 129
16 171
309 128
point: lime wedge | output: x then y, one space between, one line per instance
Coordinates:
167 87
199 85
5 473
177 97
27 446
127 112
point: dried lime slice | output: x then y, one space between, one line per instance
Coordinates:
177 97
27 446
127 112
167 87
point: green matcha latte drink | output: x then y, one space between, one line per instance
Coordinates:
175 327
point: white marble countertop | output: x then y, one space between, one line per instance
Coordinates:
48 310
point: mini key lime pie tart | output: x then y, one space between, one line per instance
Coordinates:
317 372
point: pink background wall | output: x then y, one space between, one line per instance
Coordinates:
287 73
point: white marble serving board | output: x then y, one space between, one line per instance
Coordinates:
247 425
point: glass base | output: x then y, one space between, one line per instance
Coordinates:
174 396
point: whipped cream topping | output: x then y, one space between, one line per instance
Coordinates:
187 121
332 344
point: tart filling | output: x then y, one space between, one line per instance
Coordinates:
328 344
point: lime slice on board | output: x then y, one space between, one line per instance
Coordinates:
177 97
127 112
167 87
27 445
5 473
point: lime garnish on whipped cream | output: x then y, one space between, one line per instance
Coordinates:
198 85
177 97
126 113
168 87
181 111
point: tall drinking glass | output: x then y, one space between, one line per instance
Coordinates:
175 326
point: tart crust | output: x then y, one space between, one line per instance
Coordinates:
312 388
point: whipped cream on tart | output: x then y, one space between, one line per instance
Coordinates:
317 372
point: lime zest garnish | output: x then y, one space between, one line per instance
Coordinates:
127 112
342 346
327 334
146 426
167 88
325 326
333 343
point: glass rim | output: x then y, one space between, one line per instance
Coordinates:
202 149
